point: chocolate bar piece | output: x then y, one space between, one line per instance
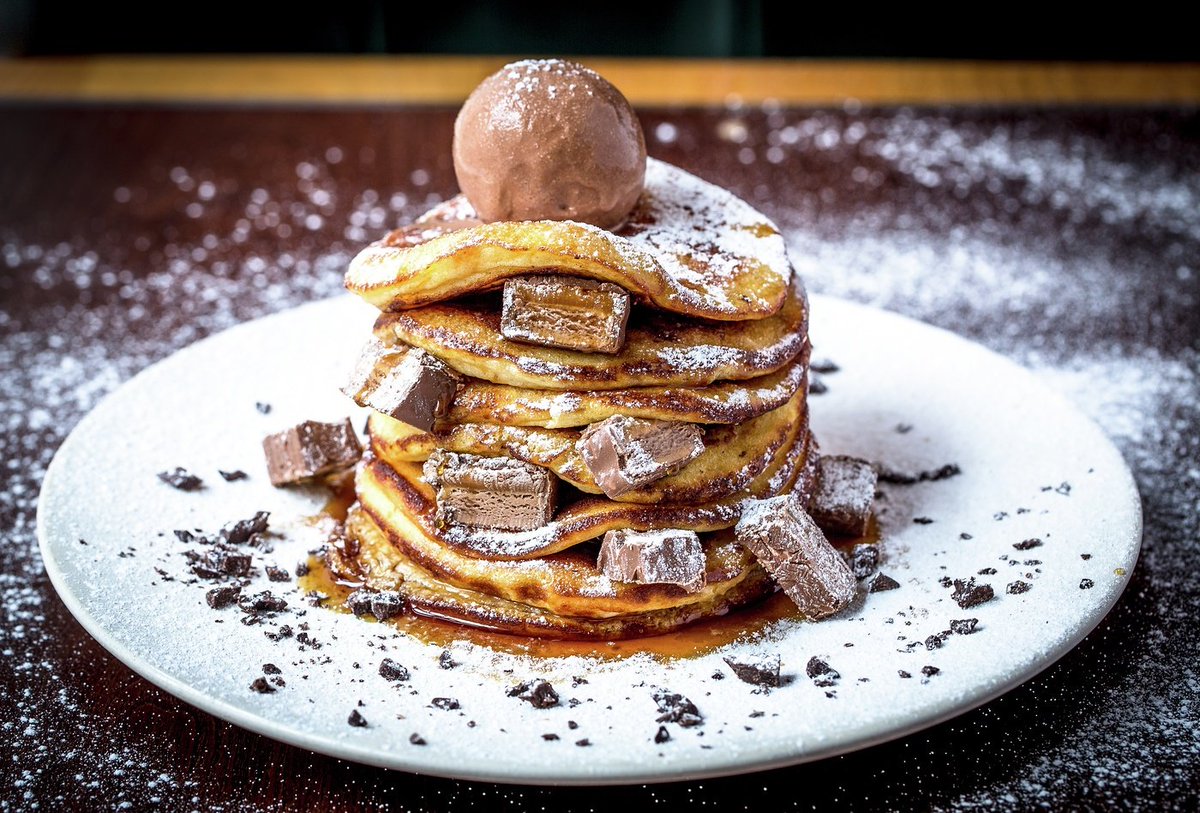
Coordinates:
841 502
653 557
310 449
554 311
791 547
491 492
624 453
406 383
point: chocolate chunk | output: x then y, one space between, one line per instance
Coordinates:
583 743
357 720
791 547
936 640
1086 584
625 453
764 672
987 571
662 735
967 594
653 557
261 686
903 674
900 478
550 737
821 673
386 604
963 626
881 583
233 476
864 560
309 450
359 602
264 602
539 694
445 703
1017 587
278 574
491 492
446 660
405 383
556 311
416 739
817 385
390 670
222 561
823 366
181 479
1027 544
243 531
923 520
262 407
220 597
271 669
845 490
675 708
930 671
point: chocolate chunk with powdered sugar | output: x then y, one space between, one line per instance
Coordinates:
624 453
821 673
864 560
760 672
653 557
567 312
181 479
220 597
845 490
390 670
310 449
791 547
675 708
967 594
882 583
405 383
491 492
538 693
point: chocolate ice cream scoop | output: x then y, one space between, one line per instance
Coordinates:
549 140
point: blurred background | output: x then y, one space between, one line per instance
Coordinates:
685 28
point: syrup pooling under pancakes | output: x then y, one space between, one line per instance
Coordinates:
636 529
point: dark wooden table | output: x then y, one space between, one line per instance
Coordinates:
1066 238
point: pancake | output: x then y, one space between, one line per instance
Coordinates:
403 503
725 402
733 455
379 565
688 247
661 350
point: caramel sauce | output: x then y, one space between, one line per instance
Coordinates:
690 641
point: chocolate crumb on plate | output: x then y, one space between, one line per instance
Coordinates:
271 669
1017 587
662 735
263 407
937 640
445 703
233 476
763 672
930 671
821 673
181 479
261 686
967 594
539 694
864 560
244 530
585 742
220 597
816 386
446 660
1086 584
1027 544
278 574
357 720
550 737
265 601
923 520
390 670
416 739
963 626
824 366
903 674
881 583
902 478
675 708
718 675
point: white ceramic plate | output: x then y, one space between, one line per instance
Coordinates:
1016 442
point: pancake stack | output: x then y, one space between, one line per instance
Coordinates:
586 370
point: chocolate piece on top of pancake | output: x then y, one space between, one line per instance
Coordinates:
405 383
653 557
555 311
793 550
491 492
310 449
624 453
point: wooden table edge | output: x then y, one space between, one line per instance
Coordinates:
336 80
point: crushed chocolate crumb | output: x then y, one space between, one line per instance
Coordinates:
863 560
181 479
357 720
825 366
416 739
763 673
539 694
662 735
821 673
901 478
242 531
937 640
1017 587
964 536
390 670
301 569
963 626
585 742
445 703
261 686
233 476
1027 544
1086 584
923 520
967 594
930 671
675 708
446 660
263 407
987 571
278 574
550 737
264 602
718 675
221 597
881 583
903 674
816 386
